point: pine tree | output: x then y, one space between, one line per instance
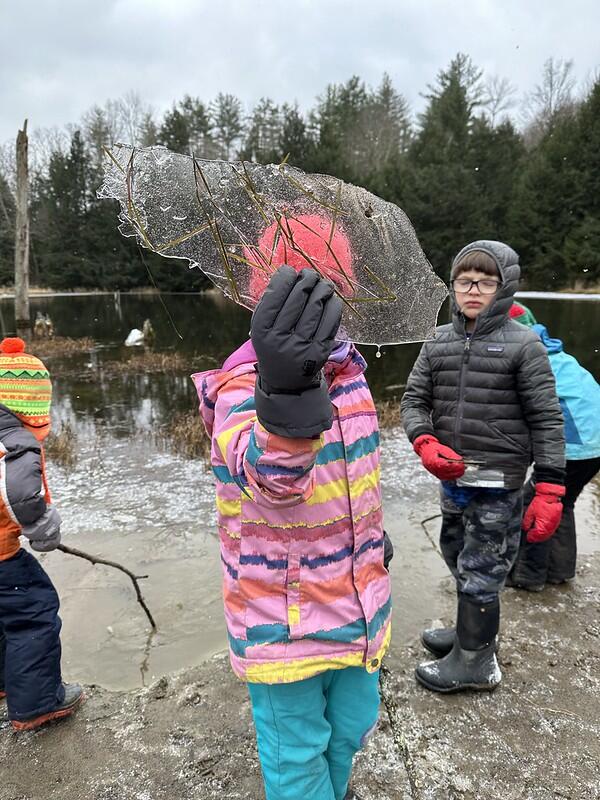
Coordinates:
59 219
7 233
295 143
263 133
441 191
582 242
228 126
547 204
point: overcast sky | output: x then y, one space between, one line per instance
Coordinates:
59 57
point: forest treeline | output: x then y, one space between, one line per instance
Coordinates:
467 167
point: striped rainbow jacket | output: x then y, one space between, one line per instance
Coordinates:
300 524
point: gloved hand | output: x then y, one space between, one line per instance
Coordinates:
44 533
441 461
542 517
388 550
293 332
46 545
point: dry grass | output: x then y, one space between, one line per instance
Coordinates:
149 361
388 413
61 447
186 437
59 346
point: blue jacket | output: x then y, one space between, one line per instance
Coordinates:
579 395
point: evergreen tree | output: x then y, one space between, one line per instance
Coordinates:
582 242
7 234
337 123
174 132
263 134
149 133
441 191
295 142
187 129
59 219
496 157
228 126
547 204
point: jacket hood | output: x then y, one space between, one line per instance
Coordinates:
507 261
551 345
9 421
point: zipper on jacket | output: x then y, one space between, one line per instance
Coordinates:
461 387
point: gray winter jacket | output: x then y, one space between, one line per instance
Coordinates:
27 512
490 396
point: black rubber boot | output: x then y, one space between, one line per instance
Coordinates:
472 663
531 567
563 550
438 641
351 795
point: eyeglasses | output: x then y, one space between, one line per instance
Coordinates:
485 286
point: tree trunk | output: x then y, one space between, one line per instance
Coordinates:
22 319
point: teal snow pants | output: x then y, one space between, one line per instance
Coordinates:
308 731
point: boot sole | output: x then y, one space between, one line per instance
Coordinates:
475 687
32 724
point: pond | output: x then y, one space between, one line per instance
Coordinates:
130 499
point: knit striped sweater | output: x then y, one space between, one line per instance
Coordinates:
300 524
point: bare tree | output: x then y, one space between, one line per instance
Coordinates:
552 96
102 126
45 142
22 319
134 116
8 164
498 97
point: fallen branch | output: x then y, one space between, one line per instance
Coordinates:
550 710
424 526
134 578
389 702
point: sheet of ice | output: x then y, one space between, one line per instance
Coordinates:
238 222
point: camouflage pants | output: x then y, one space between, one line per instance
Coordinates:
480 541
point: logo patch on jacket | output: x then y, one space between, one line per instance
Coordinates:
495 348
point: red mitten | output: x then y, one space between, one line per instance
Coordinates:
542 517
438 459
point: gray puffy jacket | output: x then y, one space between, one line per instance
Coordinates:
490 396
21 485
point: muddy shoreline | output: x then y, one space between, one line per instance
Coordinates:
188 735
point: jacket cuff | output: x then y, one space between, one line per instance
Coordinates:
542 474
421 430
294 415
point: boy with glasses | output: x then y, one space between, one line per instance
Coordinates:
479 407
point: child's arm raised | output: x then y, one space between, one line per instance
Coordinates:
293 332
277 470
268 428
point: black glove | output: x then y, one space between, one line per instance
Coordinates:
388 550
293 330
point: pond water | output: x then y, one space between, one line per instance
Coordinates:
129 499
